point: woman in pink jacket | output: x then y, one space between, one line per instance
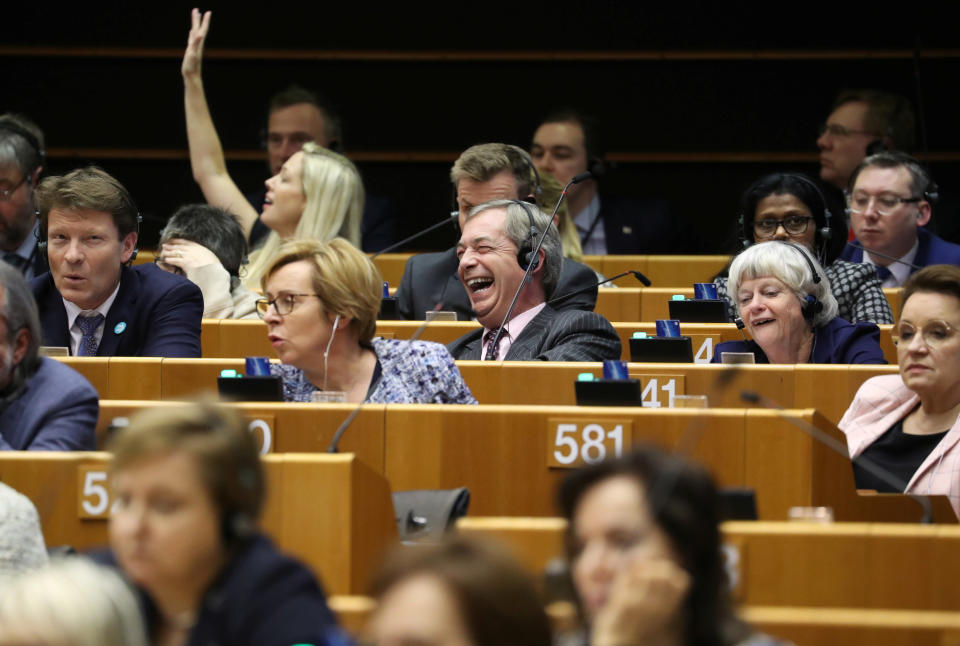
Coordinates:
908 423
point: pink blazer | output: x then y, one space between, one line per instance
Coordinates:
879 404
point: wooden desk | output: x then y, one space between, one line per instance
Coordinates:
289 427
331 511
837 565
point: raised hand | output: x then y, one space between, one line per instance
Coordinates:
193 56
186 255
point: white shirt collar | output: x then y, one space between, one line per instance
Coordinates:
898 270
73 311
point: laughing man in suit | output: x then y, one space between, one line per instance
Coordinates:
496 245
91 300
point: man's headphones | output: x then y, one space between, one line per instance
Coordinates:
525 254
811 305
824 233
18 130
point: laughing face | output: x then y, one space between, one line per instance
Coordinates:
488 267
771 312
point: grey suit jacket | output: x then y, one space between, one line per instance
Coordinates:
571 335
431 278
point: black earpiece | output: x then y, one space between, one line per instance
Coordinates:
811 305
525 255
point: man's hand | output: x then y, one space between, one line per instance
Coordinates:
193 56
186 255
644 606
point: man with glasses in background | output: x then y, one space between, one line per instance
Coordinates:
862 123
889 200
21 162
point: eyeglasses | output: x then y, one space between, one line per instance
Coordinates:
792 224
884 204
934 333
7 191
283 303
836 130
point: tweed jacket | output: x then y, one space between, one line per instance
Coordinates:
879 404
571 335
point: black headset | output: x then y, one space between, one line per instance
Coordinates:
16 129
525 254
825 233
811 305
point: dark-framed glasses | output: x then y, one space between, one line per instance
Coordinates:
792 224
283 303
934 333
885 204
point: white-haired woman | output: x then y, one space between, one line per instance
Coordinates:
784 300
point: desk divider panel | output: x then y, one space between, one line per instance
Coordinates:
331 511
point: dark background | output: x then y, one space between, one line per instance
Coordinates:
696 99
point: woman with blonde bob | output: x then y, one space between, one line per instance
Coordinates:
320 305
318 194
783 299
189 488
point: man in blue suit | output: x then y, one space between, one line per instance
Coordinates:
44 405
890 199
91 300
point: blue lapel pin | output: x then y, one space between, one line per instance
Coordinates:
119 327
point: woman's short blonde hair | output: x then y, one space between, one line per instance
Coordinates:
226 454
72 602
344 279
785 262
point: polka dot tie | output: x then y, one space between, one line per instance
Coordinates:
89 343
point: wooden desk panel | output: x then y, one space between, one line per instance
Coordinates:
294 428
486 448
95 369
391 266
331 511
837 565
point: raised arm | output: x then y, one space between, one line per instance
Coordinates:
206 152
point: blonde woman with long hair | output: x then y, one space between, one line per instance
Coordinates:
318 194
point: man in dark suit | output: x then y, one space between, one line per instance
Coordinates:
482 173
567 143
890 199
91 301
44 405
495 249
21 162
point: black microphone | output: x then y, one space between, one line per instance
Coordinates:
740 325
453 216
883 255
533 258
636 274
865 463
335 442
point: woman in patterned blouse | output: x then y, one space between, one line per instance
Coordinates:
320 306
790 207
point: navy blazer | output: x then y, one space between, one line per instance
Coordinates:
260 598
56 410
931 250
570 335
839 341
155 314
642 226
431 278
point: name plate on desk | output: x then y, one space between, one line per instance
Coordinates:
572 442
93 490
658 391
